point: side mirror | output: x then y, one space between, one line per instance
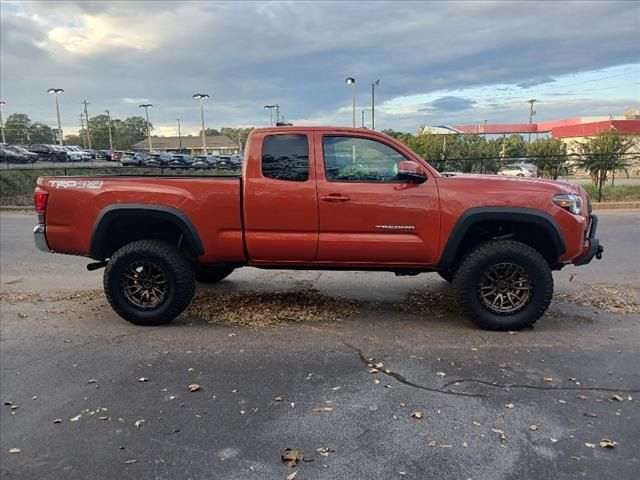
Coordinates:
412 171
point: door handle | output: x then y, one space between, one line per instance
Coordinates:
335 198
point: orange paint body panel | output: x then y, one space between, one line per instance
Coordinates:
315 222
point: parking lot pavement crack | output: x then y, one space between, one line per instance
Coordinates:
400 378
539 387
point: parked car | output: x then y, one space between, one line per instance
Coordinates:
11 156
133 159
296 206
72 155
205 161
48 153
30 157
158 159
104 155
181 160
236 160
521 169
86 156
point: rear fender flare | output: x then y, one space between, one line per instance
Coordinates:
108 215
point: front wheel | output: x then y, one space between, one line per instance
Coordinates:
504 285
149 282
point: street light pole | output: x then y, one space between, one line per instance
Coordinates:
532 113
179 136
110 137
202 96
352 81
2 104
146 111
373 104
55 92
270 108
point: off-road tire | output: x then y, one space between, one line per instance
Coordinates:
170 261
206 274
468 276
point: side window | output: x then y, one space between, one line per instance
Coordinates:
352 159
286 157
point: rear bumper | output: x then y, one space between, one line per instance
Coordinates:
40 237
595 249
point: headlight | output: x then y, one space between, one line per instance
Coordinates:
571 203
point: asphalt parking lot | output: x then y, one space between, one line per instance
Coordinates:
86 395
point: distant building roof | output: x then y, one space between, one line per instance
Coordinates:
173 143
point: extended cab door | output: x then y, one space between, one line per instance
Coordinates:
280 204
368 215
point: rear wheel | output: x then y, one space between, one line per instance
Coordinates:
504 285
149 282
206 274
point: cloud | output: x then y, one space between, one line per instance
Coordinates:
248 54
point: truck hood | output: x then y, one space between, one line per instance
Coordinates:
495 182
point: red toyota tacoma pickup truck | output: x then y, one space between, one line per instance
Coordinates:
321 198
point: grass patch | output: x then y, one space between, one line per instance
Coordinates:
17 184
614 193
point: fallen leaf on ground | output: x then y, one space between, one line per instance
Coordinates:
322 409
291 457
15 450
509 405
503 365
432 443
292 475
92 380
534 427
57 420
590 445
279 398
130 461
104 418
548 379
590 414
617 398
373 370
417 415
500 432
441 374
143 379
477 424
324 451
194 387
376 381
138 423
75 419
606 443
553 440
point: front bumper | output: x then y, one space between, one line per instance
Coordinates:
40 237
595 249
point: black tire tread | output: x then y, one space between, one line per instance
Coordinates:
463 283
185 280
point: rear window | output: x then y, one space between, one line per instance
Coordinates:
286 157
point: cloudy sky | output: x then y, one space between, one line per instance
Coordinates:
438 63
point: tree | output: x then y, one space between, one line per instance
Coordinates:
16 128
209 132
514 146
123 132
41 133
551 156
602 154
73 140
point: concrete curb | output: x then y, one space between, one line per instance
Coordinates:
615 205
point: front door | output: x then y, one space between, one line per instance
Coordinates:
369 216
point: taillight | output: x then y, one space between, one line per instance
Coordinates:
40 197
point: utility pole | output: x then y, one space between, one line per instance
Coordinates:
2 104
146 111
532 113
110 137
179 136
373 104
277 113
84 141
86 115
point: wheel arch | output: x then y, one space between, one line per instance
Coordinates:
109 232
484 223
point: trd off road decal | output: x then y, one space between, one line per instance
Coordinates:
79 184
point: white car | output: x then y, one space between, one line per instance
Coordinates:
522 169
86 156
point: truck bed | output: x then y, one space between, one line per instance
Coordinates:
212 204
